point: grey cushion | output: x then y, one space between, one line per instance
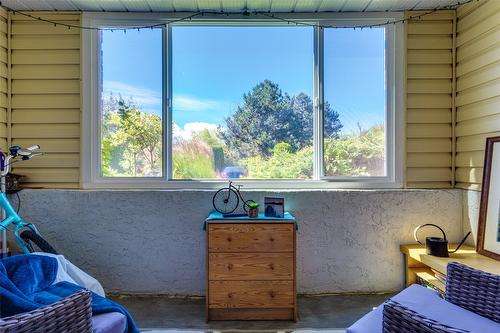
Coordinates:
111 322
428 303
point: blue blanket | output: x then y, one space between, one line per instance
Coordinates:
26 283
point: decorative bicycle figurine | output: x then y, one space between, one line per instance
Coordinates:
227 199
26 234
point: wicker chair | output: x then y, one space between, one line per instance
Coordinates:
468 288
71 314
398 318
474 290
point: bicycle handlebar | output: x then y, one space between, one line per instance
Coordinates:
31 156
35 147
17 151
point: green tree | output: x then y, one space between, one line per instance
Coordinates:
269 116
142 132
131 140
210 137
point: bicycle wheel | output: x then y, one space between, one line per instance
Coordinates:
245 204
225 200
30 237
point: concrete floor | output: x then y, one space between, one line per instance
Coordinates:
315 312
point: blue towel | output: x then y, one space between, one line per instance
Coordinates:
26 283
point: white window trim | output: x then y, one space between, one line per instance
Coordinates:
395 147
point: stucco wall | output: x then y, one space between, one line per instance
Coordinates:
471 202
153 242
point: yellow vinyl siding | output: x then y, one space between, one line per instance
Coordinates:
4 100
478 87
429 75
46 98
52 72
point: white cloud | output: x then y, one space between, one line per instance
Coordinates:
148 98
142 96
190 129
188 103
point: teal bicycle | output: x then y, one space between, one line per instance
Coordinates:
26 234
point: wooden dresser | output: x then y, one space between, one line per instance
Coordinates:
251 269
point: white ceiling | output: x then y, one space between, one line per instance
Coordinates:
228 5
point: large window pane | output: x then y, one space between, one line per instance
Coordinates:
355 102
131 103
242 102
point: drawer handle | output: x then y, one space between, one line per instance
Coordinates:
229 295
229 266
271 239
271 266
229 239
272 294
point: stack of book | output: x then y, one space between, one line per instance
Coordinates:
439 276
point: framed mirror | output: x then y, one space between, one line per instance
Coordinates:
488 240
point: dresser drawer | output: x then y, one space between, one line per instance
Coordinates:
251 294
250 266
251 237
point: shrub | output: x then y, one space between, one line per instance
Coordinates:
192 159
360 154
354 154
282 164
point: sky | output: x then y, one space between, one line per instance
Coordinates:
214 66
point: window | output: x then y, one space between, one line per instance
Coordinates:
200 102
131 104
242 102
355 103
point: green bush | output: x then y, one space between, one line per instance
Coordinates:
193 159
356 154
283 163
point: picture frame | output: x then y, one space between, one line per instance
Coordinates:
488 236
274 207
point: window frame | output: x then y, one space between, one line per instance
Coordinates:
91 113
390 112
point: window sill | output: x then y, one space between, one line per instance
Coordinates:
149 183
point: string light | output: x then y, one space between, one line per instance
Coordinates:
245 13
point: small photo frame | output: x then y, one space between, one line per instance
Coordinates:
274 207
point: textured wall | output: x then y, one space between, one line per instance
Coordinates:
153 242
471 202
